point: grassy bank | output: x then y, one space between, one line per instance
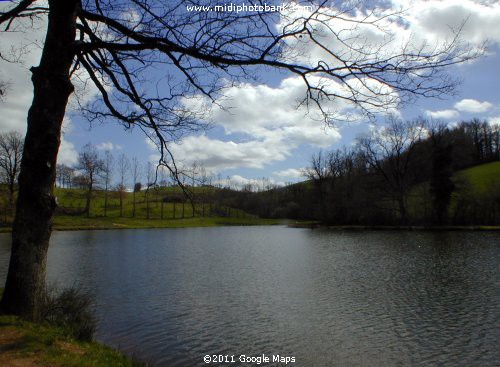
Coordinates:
27 344
483 178
73 223
151 213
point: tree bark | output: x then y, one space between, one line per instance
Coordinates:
25 285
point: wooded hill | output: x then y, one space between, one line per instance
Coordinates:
407 173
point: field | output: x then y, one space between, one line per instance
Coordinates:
163 207
483 178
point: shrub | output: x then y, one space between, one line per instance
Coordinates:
71 309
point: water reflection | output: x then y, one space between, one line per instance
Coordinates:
327 298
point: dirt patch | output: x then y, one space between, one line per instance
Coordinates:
9 335
71 348
9 355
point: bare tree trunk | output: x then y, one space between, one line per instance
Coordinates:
32 227
89 197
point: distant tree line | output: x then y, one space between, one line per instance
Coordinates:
118 178
403 173
201 193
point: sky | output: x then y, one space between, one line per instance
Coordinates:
264 134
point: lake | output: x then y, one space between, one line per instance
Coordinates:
325 298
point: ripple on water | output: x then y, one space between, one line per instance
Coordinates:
327 298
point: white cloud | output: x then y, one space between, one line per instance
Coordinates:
423 27
290 173
269 120
443 114
108 146
471 105
437 19
67 153
216 155
263 111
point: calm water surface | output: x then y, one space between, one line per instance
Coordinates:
328 298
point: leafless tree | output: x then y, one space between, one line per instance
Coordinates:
11 149
120 44
150 184
91 165
135 168
203 193
388 152
65 175
107 176
318 174
123 165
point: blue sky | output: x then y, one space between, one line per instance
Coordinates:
265 135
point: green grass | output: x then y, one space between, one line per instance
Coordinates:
483 178
80 222
72 201
479 182
29 344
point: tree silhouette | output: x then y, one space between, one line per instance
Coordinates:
91 165
11 148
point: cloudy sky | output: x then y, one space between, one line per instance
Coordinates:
260 132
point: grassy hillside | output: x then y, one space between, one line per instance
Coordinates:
482 178
476 190
163 207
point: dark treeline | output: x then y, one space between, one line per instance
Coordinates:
404 173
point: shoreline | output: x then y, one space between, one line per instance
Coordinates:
394 228
101 223
29 344
231 222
